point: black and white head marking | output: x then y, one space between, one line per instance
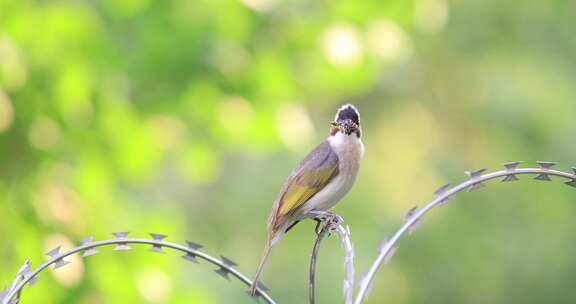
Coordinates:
348 111
347 121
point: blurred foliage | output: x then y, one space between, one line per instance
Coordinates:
184 117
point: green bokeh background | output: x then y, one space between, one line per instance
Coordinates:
184 117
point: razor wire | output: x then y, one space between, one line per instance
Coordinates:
475 181
28 276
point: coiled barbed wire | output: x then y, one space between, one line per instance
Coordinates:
443 194
225 266
343 232
26 276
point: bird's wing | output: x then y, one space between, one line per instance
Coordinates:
311 176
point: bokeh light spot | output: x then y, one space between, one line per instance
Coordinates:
58 204
259 5
342 45
6 111
295 127
154 285
386 40
13 70
71 274
44 133
431 16
168 131
230 58
235 115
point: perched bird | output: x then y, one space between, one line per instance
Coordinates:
319 181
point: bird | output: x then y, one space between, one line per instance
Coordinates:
319 181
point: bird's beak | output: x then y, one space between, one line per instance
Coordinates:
347 126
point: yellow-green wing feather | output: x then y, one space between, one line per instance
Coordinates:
311 176
303 188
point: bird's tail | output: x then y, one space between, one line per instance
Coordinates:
263 259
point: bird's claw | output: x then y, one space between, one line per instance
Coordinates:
330 220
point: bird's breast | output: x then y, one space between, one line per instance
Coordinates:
350 152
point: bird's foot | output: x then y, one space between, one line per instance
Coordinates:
329 219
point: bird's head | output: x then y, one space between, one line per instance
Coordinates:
346 121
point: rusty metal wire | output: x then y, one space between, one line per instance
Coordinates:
191 250
443 194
